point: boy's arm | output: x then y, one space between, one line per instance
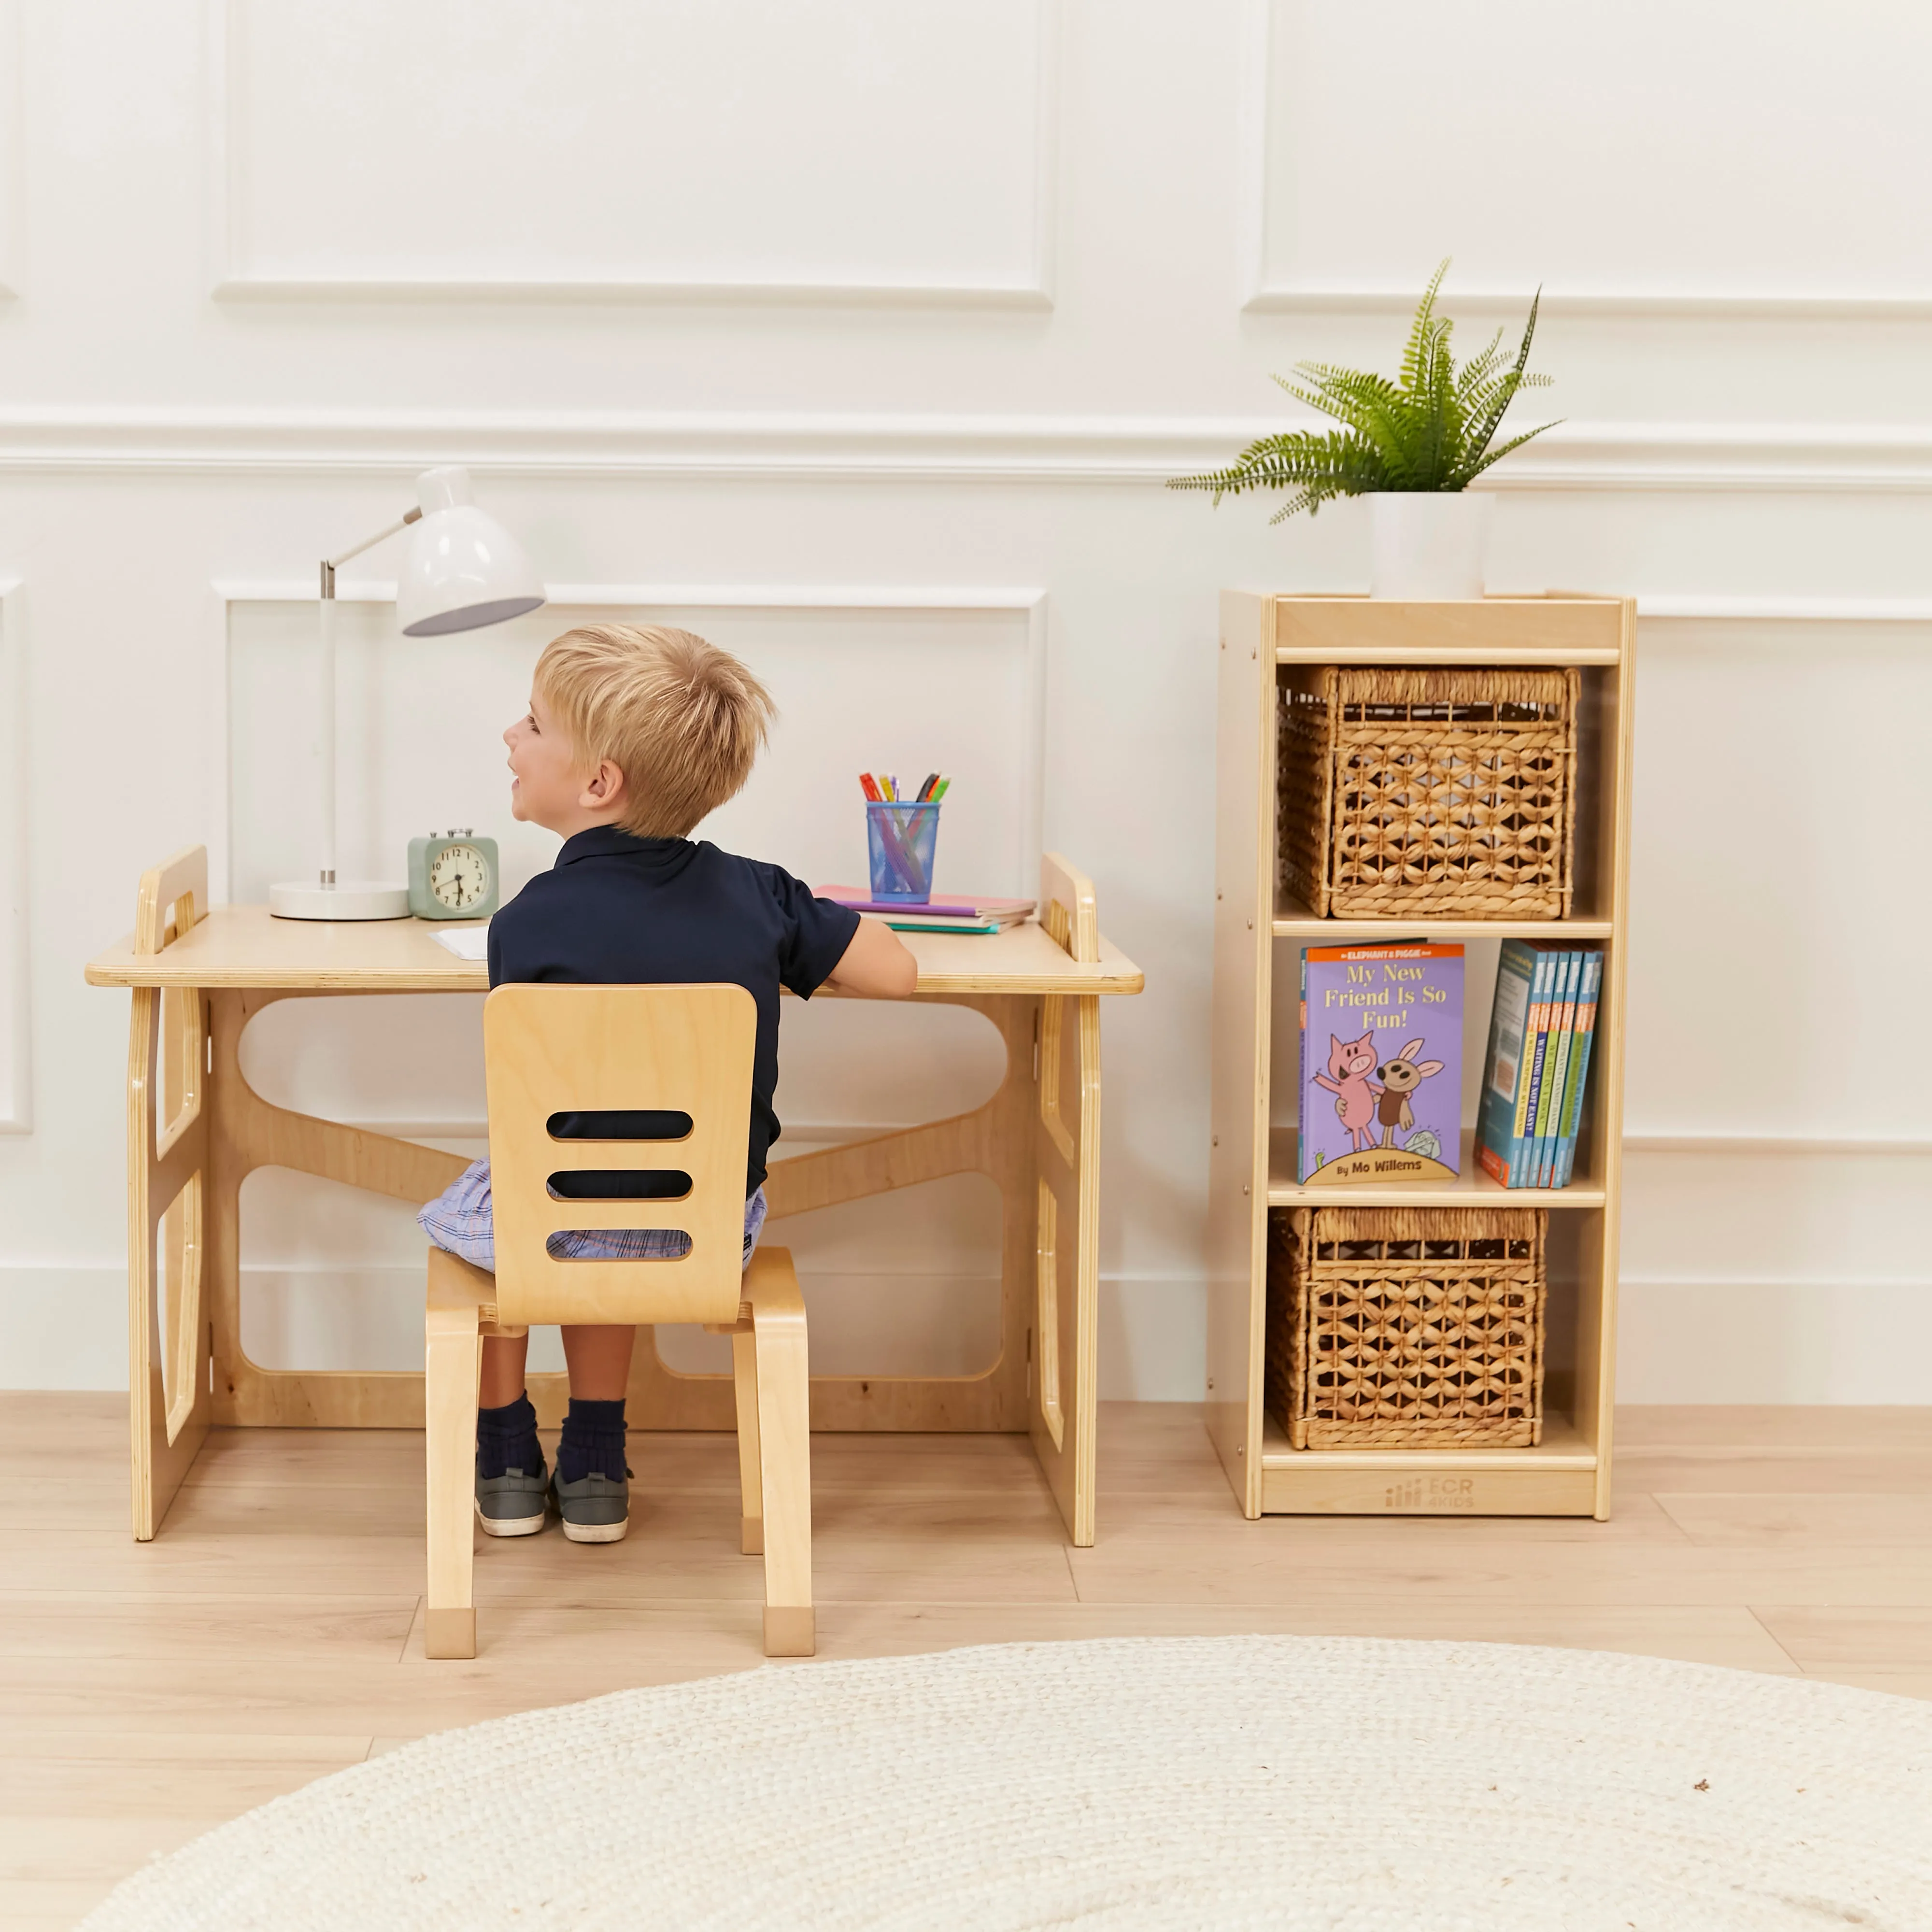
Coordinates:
875 965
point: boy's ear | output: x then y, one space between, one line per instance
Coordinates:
604 788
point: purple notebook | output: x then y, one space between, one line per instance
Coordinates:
936 908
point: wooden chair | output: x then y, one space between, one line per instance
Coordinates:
684 1050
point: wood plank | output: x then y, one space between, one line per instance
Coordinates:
1850 1636
1821 1519
124 1623
1489 630
1471 1187
1311 1484
242 946
1240 1018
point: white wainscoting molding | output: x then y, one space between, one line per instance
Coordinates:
569 444
1793 1146
13 150
644 597
1783 1284
1261 293
16 1030
234 276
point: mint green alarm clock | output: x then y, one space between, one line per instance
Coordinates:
453 875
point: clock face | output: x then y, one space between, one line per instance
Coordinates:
458 878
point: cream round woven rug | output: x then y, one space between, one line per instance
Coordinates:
1225 1782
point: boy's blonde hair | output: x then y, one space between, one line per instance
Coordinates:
680 719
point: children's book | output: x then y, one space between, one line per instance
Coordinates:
1549 1106
1381 1063
1576 1075
1502 1116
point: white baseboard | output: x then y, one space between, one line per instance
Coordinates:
66 1327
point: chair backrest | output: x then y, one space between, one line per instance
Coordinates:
681 1051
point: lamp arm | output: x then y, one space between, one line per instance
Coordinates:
330 565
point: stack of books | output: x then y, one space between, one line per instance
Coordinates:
953 914
1540 1030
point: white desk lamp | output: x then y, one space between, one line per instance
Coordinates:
463 570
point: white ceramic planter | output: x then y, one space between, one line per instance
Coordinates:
1425 545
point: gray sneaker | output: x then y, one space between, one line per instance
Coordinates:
595 1509
512 1504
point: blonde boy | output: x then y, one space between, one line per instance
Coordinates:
634 734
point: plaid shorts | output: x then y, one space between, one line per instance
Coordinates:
459 1219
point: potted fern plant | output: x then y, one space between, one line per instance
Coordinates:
1412 446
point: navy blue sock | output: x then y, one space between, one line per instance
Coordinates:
506 1438
593 1442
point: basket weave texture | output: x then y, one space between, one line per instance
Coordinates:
1391 1327
1435 791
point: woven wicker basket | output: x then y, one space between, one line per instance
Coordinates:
1392 1327
1410 791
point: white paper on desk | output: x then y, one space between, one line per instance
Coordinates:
467 942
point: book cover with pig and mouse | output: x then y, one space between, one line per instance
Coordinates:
1381 1063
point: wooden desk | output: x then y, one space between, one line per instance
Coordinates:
199 976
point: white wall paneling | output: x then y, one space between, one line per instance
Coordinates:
900 446
851 150
12 149
834 345
16 1034
882 663
1678 157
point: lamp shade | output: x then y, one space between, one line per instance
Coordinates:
462 570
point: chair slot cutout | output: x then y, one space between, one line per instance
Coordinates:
620 1123
619 1184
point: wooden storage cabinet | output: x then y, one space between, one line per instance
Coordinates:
1259 935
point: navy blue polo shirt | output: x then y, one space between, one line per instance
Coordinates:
620 911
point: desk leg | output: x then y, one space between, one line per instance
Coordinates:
1062 1410
168 1399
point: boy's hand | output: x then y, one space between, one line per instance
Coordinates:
875 965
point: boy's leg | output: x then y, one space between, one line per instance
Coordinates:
593 1484
598 1357
503 1358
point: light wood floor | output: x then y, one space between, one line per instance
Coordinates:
272 1632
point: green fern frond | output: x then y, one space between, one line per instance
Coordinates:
1429 429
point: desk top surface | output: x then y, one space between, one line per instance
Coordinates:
243 947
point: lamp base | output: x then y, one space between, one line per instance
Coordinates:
356 900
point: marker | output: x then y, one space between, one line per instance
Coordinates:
925 790
939 791
869 786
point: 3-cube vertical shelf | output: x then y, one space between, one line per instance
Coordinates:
1258 936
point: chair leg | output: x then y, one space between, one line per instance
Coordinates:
750 1481
454 1354
784 1452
